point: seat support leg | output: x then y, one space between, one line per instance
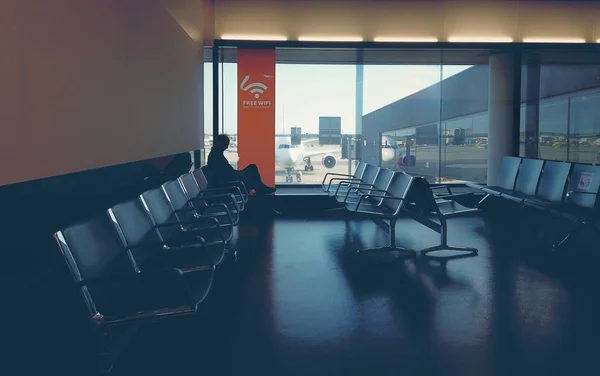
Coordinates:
578 227
482 200
392 247
469 251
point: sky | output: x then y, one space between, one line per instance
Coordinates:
304 92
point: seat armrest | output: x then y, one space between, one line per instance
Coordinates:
570 195
240 184
230 197
185 210
221 190
201 245
212 220
378 194
144 245
193 230
442 196
355 187
333 174
343 181
204 209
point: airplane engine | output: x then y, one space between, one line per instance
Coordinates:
329 161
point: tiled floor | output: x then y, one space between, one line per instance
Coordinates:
300 302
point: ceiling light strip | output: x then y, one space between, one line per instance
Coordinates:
254 37
405 39
307 38
553 40
466 39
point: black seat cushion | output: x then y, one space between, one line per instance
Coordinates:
541 203
191 221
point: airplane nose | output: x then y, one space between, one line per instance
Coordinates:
289 161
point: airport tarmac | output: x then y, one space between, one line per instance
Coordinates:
306 177
459 163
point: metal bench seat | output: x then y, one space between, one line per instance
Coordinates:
368 178
381 183
551 190
152 244
332 185
216 208
203 176
385 205
527 180
422 206
116 295
109 283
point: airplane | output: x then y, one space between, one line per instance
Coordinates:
390 151
288 157
393 156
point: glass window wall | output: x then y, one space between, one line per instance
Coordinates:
565 87
553 129
423 112
584 129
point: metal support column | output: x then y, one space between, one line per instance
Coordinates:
503 110
215 93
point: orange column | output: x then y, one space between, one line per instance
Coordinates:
256 111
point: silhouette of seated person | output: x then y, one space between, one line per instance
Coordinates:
222 172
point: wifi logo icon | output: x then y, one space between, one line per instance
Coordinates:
257 88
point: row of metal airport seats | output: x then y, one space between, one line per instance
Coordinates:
567 190
385 195
154 256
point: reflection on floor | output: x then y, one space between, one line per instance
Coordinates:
300 302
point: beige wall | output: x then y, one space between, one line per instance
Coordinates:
442 20
92 83
196 17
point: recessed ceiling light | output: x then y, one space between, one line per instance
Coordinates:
479 39
405 39
554 40
253 37
308 38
